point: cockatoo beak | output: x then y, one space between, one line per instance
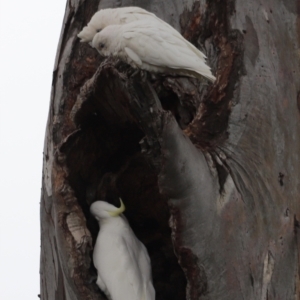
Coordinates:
117 211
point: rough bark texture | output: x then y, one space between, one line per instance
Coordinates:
210 174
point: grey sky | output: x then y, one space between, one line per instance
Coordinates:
29 33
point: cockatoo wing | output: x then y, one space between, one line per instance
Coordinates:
133 56
140 255
145 266
124 15
144 262
119 266
102 286
159 47
132 13
136 14
132 277
149 291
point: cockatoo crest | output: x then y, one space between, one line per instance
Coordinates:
118 211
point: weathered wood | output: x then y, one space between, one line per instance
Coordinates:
220 161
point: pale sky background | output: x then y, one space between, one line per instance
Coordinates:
29 34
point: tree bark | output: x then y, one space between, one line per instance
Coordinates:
209 174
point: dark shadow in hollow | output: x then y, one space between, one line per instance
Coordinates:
105 162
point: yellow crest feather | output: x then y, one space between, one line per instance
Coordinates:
118 211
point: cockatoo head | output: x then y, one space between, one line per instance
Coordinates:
103 210
102 40
86 34
99 21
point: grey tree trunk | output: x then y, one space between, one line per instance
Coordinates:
210 174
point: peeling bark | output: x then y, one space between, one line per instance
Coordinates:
209 174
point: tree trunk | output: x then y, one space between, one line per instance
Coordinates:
210 174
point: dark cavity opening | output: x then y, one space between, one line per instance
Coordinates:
105 162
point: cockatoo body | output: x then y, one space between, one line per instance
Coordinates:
149 46
122 261
126 15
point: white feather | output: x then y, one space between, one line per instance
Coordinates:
113 16
122 261
151 47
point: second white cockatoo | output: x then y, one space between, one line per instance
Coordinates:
148 46
127 15
122 261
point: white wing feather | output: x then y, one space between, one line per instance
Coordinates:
159 47
123 264
144 263
132 55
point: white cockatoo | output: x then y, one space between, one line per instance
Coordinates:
151 47
114 16
126 15
122 261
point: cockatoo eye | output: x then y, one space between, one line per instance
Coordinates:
98 30
101 45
